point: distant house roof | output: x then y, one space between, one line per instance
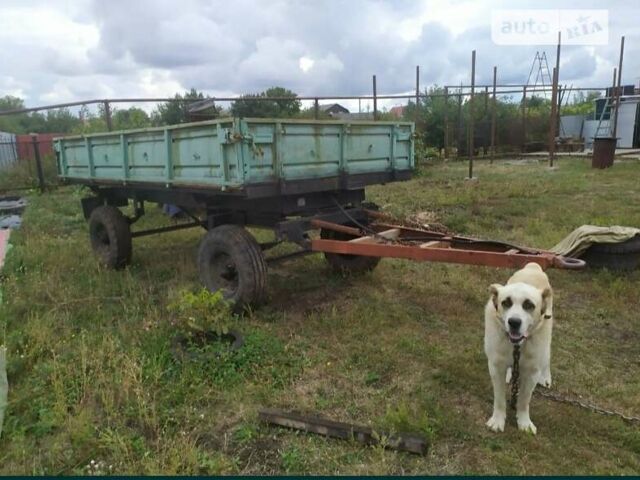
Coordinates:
397 111
333 108
205 104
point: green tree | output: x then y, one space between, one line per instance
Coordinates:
61 121
14 123
132 117
171 113
582 104
53 121
288 107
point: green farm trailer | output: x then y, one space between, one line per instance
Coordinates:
291 176
230 173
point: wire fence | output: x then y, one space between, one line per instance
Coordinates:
451 121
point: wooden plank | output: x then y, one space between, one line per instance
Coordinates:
345 431
435 244
390 234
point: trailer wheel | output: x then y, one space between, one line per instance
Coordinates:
230 259
343 263
110 236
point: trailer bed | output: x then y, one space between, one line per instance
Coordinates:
252 157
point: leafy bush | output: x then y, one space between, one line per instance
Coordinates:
202 311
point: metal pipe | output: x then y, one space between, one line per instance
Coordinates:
36 155
459 120
107 116
265 99
493 115
375 99
417 84
523 147
552 126
554 101
446 122
471 112
615 118
417 115
170 228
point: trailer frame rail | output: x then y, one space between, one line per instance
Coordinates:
397 241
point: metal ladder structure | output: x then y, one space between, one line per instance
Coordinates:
605 125
543 75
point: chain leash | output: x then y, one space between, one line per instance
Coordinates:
515 377
557 396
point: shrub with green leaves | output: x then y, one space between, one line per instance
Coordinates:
202 311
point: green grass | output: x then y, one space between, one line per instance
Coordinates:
92 377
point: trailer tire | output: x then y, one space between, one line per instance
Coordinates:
230 259
619 262
343 263
628 246
110 236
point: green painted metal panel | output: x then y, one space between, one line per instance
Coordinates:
237 152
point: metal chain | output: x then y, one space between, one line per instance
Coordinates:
515 377
557 396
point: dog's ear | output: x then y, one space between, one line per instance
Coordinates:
493 290
546 294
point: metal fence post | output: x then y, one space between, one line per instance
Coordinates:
552 120
375 99
493 115
459 120
36 154
554 102
618 90
107 115
471 112
523 147
316 109
446 122
417 115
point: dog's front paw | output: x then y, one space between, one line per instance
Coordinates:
527 426
545 380
496 422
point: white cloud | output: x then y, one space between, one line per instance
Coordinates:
305 64
71 50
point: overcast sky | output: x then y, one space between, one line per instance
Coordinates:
55 51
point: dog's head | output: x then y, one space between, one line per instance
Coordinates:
520 308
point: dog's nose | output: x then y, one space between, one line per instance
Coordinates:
514 323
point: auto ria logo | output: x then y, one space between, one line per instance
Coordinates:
541 27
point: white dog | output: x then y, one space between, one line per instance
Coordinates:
518 313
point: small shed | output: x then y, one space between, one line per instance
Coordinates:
332 109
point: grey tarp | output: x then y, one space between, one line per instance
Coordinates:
574 244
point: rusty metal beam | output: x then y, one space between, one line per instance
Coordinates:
493 115
554 101
336 227
618 90
79 103
524 119
107 116
375 99
445 255
471 113
446 122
